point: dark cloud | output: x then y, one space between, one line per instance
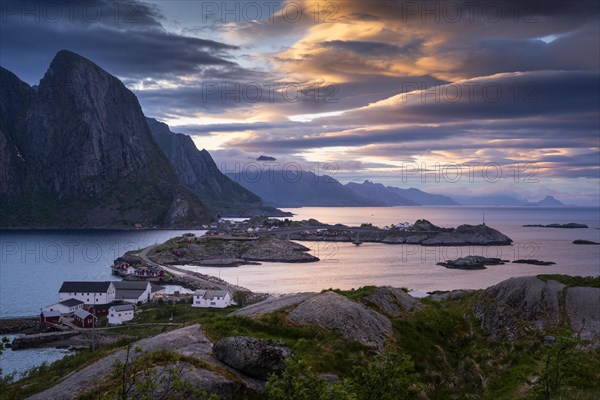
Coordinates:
127 39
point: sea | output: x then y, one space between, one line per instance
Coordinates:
33 264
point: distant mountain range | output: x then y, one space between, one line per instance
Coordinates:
305 189
505 200
76 151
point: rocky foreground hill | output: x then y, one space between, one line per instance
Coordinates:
461 343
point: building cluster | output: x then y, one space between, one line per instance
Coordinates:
82 302
85 301
123 268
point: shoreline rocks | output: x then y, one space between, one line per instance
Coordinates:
472 262
533 262
584 242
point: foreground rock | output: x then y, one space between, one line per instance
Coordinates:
581 241
353 320
471 262
188 341
571 225
254 357
443 295
273 304
517 306
394 302
533 262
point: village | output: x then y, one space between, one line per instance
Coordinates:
85 304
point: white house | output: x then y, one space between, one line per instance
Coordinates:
133 291
88 292
212 299
119 314
66 306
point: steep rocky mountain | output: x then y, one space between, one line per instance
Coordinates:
298 188
393 196
77 152
197 170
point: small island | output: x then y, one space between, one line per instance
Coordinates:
570 225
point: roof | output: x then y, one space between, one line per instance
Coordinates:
82 314
84 286
101 307
211 294
156 288
125 307
48 314
70 302
128 294
138 285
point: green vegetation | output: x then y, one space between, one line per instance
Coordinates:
571 281
437 353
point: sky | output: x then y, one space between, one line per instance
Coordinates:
454 97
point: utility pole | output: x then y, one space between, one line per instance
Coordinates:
94 324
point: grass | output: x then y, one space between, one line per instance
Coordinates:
453 357
571 281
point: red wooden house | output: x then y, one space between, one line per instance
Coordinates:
83 319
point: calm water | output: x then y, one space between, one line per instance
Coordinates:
346 266
19 361
33 264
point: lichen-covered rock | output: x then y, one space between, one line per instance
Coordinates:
254 357
516 305
393 301
273 304
583 311
353 320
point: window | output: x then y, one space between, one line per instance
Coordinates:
212 303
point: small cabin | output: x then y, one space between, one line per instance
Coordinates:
50 317
119 314
212 299
83 319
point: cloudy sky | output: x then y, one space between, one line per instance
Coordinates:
461 98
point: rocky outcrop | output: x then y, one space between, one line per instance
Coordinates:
583 311
469 235
425 233
229 251
254 357
449 295
353 320
571 225
198 378
518 306
471 262
273 304
28 341
393 301
88 155
585 242
533 262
